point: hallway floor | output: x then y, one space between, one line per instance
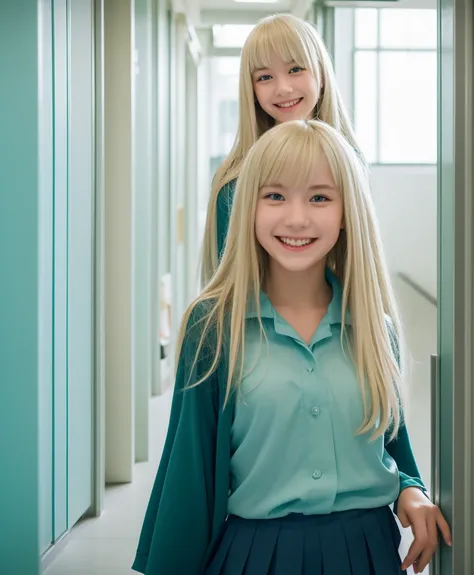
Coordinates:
106 546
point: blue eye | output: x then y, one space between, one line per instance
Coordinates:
319 199
263 78
274 197
296 69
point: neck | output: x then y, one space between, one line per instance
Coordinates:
298 290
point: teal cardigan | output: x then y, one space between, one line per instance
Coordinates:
188 503
223 209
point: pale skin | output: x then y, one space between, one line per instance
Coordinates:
286 91
288 215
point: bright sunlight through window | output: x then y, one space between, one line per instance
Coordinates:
395 84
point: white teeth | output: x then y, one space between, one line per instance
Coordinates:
289 104
296 243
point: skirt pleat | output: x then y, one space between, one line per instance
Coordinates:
356 542
313 554
381 550
335 551
230 531
357 548
390 532
263 548
290 548
240 550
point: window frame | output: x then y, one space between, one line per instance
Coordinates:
378 50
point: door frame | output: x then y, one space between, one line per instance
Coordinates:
98 464
454 423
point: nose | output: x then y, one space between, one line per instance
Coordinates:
283 87
297 216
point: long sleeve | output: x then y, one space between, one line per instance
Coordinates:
178 523
401 451
225 199
400 447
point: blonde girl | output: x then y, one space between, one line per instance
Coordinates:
286 444
285 74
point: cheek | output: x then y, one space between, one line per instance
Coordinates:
311 88
261 93
334 224
263 226
258 226
331 221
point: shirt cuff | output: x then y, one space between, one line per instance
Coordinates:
405 482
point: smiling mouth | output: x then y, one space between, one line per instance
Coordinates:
289 105
296 244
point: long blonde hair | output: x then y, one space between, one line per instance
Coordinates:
291 39
356 259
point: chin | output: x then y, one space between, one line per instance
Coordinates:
297 266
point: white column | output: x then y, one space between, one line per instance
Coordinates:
120 440
142 208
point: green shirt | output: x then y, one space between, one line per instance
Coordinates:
188 503
294 442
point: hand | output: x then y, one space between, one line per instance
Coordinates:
415 510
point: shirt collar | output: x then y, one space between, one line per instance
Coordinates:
333 315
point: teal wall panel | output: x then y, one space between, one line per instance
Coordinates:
60 258
45 287
19 305
80 258
46 258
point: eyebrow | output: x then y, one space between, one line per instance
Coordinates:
269 67
315 187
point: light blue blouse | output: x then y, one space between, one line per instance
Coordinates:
294 443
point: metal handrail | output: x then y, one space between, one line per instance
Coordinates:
419 290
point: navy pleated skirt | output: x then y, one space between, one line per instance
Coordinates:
355 542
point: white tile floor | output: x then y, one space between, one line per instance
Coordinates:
106 546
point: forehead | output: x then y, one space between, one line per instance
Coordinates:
268 49
303 173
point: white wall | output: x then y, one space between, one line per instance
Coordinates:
405 200
406 203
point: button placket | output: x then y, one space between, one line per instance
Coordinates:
311 366
315 411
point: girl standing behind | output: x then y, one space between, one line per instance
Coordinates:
282 450
285 74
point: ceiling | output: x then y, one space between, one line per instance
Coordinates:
205 13
279 6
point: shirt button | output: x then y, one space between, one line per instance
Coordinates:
316 410
317 474
309 369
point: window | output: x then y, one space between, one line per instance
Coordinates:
223 97
395 84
